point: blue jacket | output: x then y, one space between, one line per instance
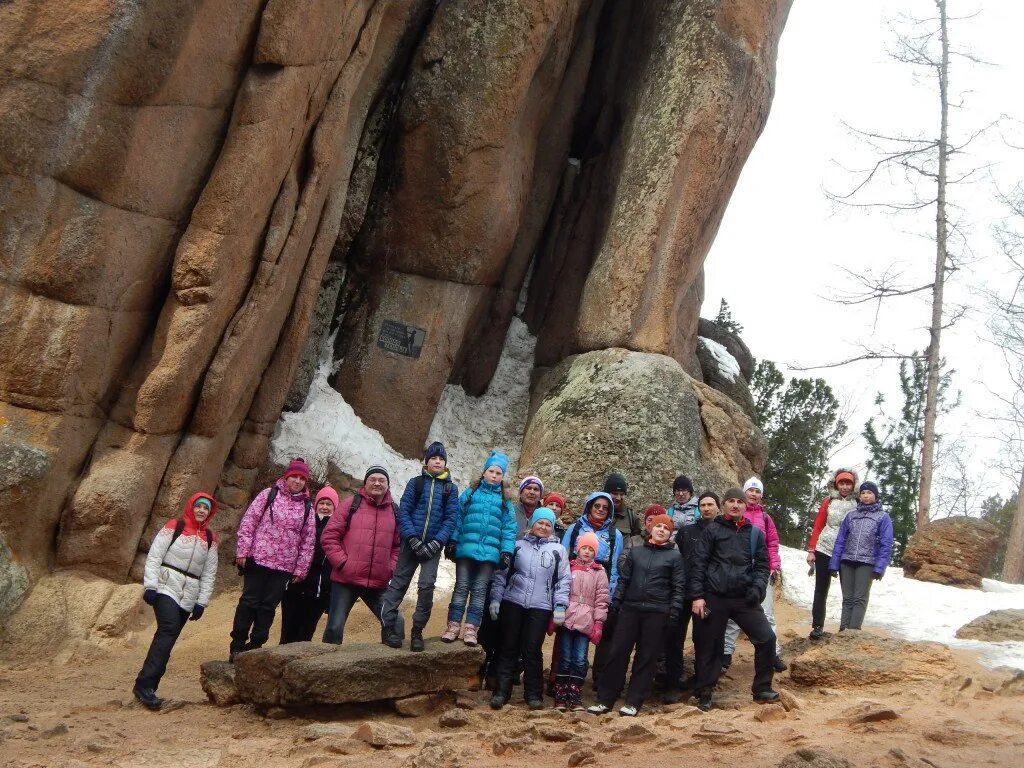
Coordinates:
487 524
609 542
428 521
865 536
538 577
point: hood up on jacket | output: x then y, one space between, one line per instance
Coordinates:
833 491
610 520
192 526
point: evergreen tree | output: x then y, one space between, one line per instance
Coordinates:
801 421
725 320
1000 513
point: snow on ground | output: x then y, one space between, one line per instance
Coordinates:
726 362
915 610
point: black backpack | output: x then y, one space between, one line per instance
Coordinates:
269 505
357 499
179 527
421 481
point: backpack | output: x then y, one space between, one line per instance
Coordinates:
607 565
357 499
269 505
418 485
179 527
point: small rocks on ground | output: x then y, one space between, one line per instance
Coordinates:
770 713
806 757
511 744
632 734
582 757
316 731
382 735
454 718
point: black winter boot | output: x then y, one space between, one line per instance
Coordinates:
147 697
416 640
390 637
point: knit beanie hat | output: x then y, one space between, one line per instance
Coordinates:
682 483
753 482
436 448
709 494
327 493
297 466
588 539
653 511
867 485
204 501
542 513
496 459
377 469
556 497
531 480
615 482
661 519
733 493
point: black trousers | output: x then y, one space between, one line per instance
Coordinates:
522 635
709 640
644 630
675 641
170 618
822 581
262 590
603 651
300 613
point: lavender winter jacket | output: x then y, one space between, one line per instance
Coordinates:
538 577
865 536
276 537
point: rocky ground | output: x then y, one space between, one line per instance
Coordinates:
939 710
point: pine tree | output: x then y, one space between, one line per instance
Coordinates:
725 320
999 512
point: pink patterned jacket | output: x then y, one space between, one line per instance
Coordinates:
279 540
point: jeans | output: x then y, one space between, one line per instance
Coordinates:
300 613
855 580
262 590
343 597
822 581
708 640
471 580
522 635
732 631
646 631
170 618
572 653
400 581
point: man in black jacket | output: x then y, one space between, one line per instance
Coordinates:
649 594
727 578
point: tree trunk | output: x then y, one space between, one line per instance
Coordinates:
935 329
1013 563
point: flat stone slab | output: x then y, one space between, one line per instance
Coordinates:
307 674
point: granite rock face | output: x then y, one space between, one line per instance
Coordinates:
955 550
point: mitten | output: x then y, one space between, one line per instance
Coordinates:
449 550
149 596
415 544
197 612
506 560
753 596
559 615
834 574
876 576
431 548
596 632
493 610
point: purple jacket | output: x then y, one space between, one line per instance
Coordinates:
865 536
538 577
276 537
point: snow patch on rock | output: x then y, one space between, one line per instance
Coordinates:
727 364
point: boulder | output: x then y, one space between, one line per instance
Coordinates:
736 347
305 674
381 735
955 550
218 681
1006 625
855 659
640 414
721 371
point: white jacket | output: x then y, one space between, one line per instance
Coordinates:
184 571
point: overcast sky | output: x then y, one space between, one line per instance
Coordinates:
783 246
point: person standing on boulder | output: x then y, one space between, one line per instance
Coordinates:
753 491
305 603
684 507
361 542
727 579
483 540
181 569
532 590
861 554
276 538
648 596
840 501
427 516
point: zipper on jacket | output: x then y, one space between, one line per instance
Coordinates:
430 504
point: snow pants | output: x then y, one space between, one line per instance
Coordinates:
732 630
855 580
170 618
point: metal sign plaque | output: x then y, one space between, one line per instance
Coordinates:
401 339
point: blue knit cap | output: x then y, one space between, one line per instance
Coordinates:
542 513
497 459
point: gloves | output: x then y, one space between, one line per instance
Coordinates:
673 618
449 550
834 574
415 545
876 576
596 632
551 627
753 596
559 615
506 561
197 612
149 596
493 610
430 549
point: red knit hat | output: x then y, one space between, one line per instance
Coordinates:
297 467
330 494
661 520
557 497
653 510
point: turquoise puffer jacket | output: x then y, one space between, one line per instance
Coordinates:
487 525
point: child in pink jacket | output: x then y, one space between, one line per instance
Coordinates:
584 622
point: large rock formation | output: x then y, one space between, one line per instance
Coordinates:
185 193
1002 626
955 550
855 659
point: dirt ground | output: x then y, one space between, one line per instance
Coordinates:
79 711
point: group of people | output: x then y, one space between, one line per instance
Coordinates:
629 584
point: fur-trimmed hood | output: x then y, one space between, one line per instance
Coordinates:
833 491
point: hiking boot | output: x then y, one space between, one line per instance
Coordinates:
535 704
779 665
451 632
599 709
627 710
498 700
673 696
704 701
147 697
817 633
469 635
391 638
416 640
726 661
766 697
